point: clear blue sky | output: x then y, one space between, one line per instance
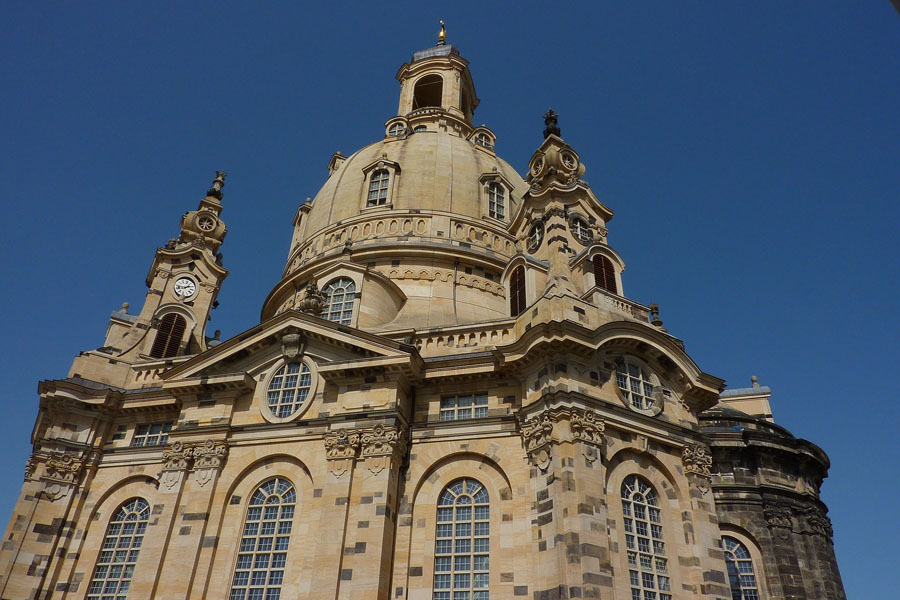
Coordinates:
750 151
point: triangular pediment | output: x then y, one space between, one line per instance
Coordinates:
334 347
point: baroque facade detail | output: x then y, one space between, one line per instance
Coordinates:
697 460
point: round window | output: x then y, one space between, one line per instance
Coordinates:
288 390
637 387
580 230
535 236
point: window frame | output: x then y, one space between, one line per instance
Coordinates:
518 290
162 435
253 566
162 348
450 408
580 229
604 273
639 526
263 390
463 564
369 172
656 406
754 559
109 566
354 294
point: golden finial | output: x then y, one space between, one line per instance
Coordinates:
442 36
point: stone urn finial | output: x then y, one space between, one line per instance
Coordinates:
313 301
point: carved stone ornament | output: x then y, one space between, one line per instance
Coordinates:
382 445
313 301
779 519
818 522
341 447
209 458
537 433
587 427
62 467
176 459
696 460
292 345
30 466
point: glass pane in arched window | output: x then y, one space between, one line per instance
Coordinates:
646 550
635 384
262 554
288 389
741 577
462 542
118 557
496 201
378 188
341 294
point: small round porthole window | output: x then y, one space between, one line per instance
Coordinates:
580 230
638 387
535 236
288 391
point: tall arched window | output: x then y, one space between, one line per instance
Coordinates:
462 542
647 564
496 201
378 188
119 555
262 555
605 274
741 577
168 336
341 293
517 291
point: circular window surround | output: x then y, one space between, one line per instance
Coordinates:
175 277
206 221
263 390
534 245
583 226
658 395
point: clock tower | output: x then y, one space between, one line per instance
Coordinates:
184 280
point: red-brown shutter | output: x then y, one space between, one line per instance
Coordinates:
168 337
517 291
605 274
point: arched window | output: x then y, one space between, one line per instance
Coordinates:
168 337
462 542
605 274
496 201
535 236
428 92
397 129
378 188
647 564
741 577
288 389
341 293
262 555
635 384
483 140
517 291
119 555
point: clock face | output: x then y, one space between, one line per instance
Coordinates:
185 287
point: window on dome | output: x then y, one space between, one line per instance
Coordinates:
605 274
420 128
288 389
741 577
119 555
378 187
635 384
517 291
262 554
428 92
496 201
462 542
168 336
341 294
397 129
483 140
646 550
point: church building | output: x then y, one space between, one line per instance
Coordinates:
449 396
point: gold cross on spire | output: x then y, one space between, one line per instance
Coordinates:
442 36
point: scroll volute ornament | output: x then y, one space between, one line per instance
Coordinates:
537 433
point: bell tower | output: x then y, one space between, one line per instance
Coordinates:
436 87
184 280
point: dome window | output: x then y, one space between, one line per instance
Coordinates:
341 294
396 129
429 91
496 201
380 177
378 188
484 141
605 274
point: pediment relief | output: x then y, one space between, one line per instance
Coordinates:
293 334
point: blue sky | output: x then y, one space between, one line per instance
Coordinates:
750 151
